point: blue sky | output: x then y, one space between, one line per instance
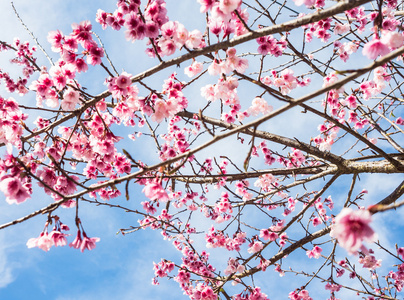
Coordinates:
121 266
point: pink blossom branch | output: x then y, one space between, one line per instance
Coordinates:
284 27
397 164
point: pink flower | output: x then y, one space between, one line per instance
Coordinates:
304 294
352 227
227 6
161 111
77 241
80 65
154 191
400 251
392 39
203 292
94 55
42 242
14 190
315 252
341 28
123 81
370 262
332 287
339 272
374 48
194 40
206 5
167 46
193 69
101 18
88 243
152 29
55 38
259 105
351 101
70 99
257 246
58 238
264 233
182 277
316 221
84 243
268 235
214 68
308 3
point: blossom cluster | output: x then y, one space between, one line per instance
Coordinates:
60 77
58 238
14 182
223 21
11 121
285 81
268 44
24 57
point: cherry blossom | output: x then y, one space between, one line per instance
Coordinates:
193 69
351 228
88 243
154 191
259 105
308 3
370 262
374 48
70 99
43 242
15 190
255 247
315 252
77 241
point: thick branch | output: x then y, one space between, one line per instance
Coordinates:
350 167
328 156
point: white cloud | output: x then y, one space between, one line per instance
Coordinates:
6 275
